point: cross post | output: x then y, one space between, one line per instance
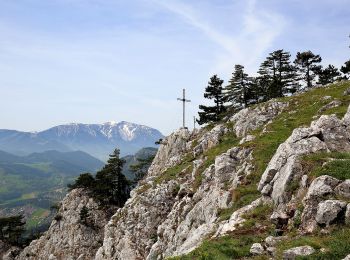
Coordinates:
184 100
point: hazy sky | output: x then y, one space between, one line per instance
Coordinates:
93 61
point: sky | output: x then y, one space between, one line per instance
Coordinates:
93 61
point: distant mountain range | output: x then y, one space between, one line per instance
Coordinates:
98 140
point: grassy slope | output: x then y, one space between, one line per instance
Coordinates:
299 113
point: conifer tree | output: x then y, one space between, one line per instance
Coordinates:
306 63
213 91
141 167
328 75
111 186
239 92
346 69
12 229
277 75
85 181
84 215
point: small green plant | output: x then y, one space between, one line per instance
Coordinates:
58 217
84 215
292 186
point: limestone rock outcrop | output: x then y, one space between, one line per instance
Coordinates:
67 238
326 134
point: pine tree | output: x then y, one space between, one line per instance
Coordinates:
328 75
84 215
346 69
306 63
140 168
111 186
214 91
277 75
12 229
85 181
239 92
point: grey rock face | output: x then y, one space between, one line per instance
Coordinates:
170 152
193 217
292 253
328 211
249 119
210 139
326 134
68 238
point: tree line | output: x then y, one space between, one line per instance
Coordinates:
110 186
277 76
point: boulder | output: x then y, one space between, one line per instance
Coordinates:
292 253
248 138
257 249
346 92
321 186
329 211
343 189
332 104
348 256
272 241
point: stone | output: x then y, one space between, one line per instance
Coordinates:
272 241
246 139
329 211
321 187
332 104
343 189
210 139
292 253
346 92
347 214
237 218
257 249
348 256
170 151
11 253
271 251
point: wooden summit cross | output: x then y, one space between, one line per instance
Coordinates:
184 100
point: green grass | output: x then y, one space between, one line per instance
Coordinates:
336 244
174 172
260 215
38 215
44 167
241 196
336 165
223 248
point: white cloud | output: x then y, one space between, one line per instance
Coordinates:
257 30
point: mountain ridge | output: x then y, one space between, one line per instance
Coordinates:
99 140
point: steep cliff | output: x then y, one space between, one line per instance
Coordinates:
67 237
